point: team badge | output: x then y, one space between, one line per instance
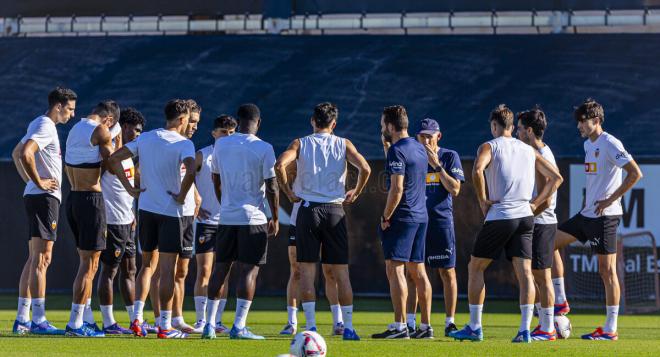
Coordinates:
53 225
117 253
202 239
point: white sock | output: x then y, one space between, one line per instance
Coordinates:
211 310
310 314
23 310
560 292
88 315
538 308
76 317
165 319
138 311
475 316
177 321
157 321
347 316
38 310
292 313
411 320
424 326
527 312
130 310
336 314
108 317
400 326
242 309
200 308
449 320
546 319
221 309
611 321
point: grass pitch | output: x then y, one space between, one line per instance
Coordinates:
639 335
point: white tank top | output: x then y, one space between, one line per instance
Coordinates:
205 188
548 216
118 203
321 174
79 149
510 178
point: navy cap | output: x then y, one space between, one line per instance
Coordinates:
429 126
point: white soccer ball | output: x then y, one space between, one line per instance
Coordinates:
563 326
308 344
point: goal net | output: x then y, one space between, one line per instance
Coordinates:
637 268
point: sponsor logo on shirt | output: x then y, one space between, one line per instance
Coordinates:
129 172
396 164
432 179
621 155
590 167
457 171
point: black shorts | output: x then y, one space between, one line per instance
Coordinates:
600 232
514 236
246 244
188 237
321 232
205 238
292 236
131 247
166 234
543 245
118 237
43 212
85 213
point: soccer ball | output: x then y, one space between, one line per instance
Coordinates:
308 344
563 326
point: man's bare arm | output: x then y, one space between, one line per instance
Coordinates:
634 174
287 157
16 157
553 178
364 171
484 156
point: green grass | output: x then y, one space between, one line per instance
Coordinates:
639 335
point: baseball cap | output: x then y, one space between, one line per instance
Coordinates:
429 126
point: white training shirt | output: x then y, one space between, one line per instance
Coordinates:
603 160
189 203
510 177
118 202
161 153
205 188
548 216
79 148
48 160
321 169
243 162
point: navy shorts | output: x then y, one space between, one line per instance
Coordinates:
440 245
404 241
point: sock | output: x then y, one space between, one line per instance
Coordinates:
138 311
200 308
411 320
130 310
211 310
221 309
400 326
336 314
546 319
38 310
424 326
242 309
108 318
177 321
560 292
538 309
165 320
475 316
292 311
88 314
157 321
449 320
310 314
611 321
76 317
23 310
527 312
347 316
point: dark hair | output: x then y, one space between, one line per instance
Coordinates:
396 116
107 108
131 116
194 107
175 108
61 95
535 119
502 115
324 114
248 113
589 109
225 121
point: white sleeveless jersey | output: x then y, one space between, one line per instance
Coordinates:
205 188
118 203
548 216
510 178
79 148
321 174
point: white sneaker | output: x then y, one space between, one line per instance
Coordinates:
185 328
220 328
198 327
